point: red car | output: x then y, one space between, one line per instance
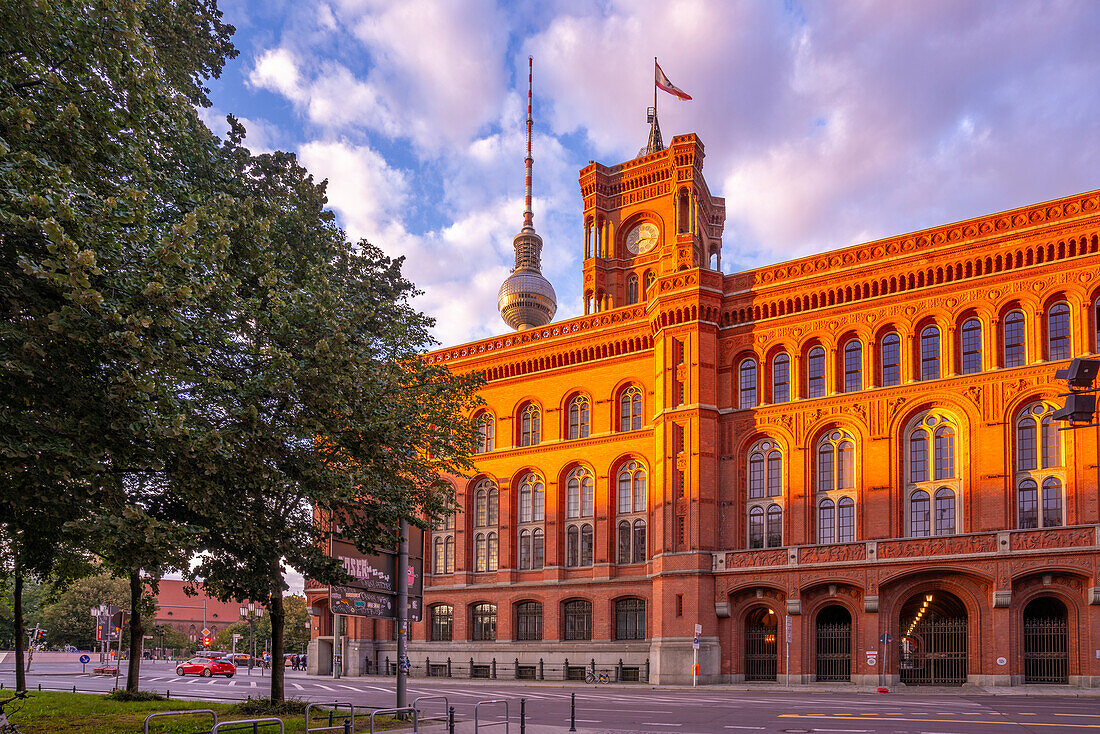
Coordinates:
206 667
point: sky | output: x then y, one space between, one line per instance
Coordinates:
826 124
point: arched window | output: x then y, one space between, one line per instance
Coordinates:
1015 355
632 289
815 373
442 616
766 497
528 621
781 378
530 425
532 512
775 526
484 618
756 527
945 512
835 486
486 432
1038 465
579 504
486 502
971 347
443 559
577 618
632 506
930 353
890 359
1058 344
649 278
747 384
630 619
630 409
853 366
579 417
930 465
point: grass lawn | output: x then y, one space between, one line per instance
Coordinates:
86 713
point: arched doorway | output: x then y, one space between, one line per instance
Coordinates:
761 648
1046 655
932 640
834 644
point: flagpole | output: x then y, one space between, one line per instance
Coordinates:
654 86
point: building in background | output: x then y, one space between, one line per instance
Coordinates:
839 467
189 614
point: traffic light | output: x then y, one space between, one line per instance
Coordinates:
1080 408
206 641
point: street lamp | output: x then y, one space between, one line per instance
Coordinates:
250 612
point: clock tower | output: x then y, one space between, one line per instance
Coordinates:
646 218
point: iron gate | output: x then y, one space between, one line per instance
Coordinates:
761 653
935 654
1045 653
834 652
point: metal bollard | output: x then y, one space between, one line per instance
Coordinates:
347 727
451 720
523 716
572 712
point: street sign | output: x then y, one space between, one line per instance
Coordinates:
84 659
205 632
698 630
790 626
886 638
695 644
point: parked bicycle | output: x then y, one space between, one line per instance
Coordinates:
6 727
601 677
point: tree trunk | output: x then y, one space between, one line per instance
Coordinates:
278 623
17 624
137 632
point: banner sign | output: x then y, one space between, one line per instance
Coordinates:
373 591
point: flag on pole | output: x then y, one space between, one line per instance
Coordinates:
664 84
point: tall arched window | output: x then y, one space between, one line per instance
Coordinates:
649 278
766 526
580 413
781 378
932 481
890 360
1039 464
971 347
630 409
1058 344
1015 354
530 425
486 503
853 365
528 621
484 618
835 487
486 432
630 619
579 505
632 289
766 498
747 384
815 373
577 619
632 506
930 353
442 616
444 545
532 513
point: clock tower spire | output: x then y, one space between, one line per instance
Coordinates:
526 299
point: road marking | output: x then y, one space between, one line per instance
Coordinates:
657 723
325 687
840 717
296 686
734 726
586 721
357 690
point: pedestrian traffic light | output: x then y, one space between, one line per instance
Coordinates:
1080 407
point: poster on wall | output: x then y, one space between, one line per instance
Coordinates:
373 590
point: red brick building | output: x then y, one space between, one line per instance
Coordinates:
856 446
189 614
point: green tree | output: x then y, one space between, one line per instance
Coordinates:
295 630
67 616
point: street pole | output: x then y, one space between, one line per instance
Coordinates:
402 609
337 657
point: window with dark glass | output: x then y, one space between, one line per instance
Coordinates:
1058 332
756 527
815 373
891 360
825 530
747 390
930 353
971 347
528 621
1039 472
853 366
775 526
530 426
630 409
919 516
630 619
1027 505
1025 444
781 378
484 622
944 462
1015 354
577 616
442 622
579 417
846 520
486 433
632 290
649 278
632 506
1052 503
945 512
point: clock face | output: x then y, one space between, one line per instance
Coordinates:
642 238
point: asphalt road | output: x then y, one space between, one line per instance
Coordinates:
644 709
